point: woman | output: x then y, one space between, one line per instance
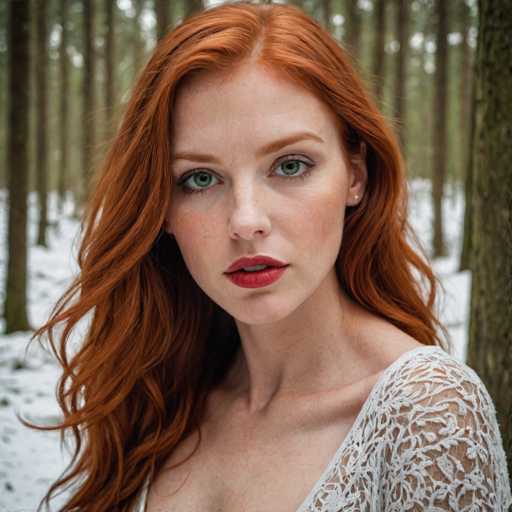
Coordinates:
259 340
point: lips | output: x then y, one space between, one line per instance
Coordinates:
257 279
251 261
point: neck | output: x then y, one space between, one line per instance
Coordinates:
314 348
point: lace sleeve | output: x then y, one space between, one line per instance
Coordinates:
444 449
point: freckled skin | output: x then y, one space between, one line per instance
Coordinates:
309 355
249 209
301 219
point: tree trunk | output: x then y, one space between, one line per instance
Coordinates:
42 119
490 327
3 95
192 6
440 132
327 14
424 153
138 44
88 98
379 53
109 66
467 240
353 29
163 17
465 80
15 305
64 104
402 29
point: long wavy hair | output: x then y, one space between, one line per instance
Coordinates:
156 345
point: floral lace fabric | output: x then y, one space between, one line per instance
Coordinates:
426 439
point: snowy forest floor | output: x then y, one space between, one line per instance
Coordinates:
31 460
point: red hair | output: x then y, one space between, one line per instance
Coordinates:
156 344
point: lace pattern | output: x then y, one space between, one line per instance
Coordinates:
426 439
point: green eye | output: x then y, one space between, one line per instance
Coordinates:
197 182
291 166
200 181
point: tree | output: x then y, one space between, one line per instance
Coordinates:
327 14
138 45
353 28
42 119
109 65
490 326
64 103
193 6
467 237
467 137
15 306
440 131
88 97
402 29
163 17
379 53
3 93
465 77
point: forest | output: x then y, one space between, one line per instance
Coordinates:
439 70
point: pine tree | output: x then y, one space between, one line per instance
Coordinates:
379 54
15 306
490 326
41 78
440 131
63 103
402 29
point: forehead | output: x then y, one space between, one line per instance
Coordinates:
253 103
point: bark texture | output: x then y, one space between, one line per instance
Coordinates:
15 305
490 329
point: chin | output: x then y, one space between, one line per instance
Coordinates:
258 311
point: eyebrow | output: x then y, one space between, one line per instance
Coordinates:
272 147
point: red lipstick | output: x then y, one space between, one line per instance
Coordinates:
255 278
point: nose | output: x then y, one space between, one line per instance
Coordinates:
248 217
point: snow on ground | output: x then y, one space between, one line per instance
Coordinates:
31 460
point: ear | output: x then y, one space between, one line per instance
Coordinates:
358 177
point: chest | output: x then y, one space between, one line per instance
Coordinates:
268 467
235 476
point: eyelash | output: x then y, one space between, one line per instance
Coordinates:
304 175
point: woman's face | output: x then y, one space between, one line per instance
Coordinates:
234 198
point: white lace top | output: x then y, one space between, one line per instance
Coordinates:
426 439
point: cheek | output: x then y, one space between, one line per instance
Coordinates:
192 225
325 215
197 236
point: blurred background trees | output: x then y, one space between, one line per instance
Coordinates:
67 68
87 54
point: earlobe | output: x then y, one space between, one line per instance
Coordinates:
359 176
